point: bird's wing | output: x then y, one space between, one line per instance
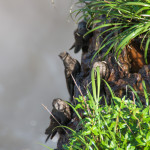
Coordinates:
77 48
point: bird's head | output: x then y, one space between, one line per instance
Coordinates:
58 104
63 55
81 26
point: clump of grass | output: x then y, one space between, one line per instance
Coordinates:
125 124
129 19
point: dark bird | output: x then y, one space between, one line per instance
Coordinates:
81 41
72 66
61 115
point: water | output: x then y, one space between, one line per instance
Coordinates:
32 34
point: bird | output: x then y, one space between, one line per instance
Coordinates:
81 41
72 67
61 115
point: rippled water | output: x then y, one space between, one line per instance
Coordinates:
32 34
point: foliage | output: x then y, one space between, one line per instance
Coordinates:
122 125
125 124
125 20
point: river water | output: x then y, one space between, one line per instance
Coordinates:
32 34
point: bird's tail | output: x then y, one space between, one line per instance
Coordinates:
47 138
77 48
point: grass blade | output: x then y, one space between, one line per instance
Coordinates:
145 93
146 50
45 146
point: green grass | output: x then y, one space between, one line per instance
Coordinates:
122 125
132 19
125 124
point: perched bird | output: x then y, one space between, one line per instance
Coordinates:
81 41
72 66
61 115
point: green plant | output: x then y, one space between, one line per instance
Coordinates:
122 125
125 20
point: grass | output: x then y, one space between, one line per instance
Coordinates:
125 124
129 19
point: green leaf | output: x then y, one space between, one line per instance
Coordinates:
112 93
137 3
145 93
146 50
136 95
78 106
129 147
146 111
140 10
86 132
127 38
139 139
95 130
146 148
98 82
45 146
75 111
148 136
93 84
101 26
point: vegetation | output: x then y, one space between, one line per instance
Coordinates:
125 20
125 124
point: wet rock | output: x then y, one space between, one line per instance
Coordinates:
78 88
64 139
124 61
116 71
120 86
86 62
136 57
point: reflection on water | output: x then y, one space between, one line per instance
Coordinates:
32 34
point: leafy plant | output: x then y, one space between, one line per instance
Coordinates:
124 21
122 125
